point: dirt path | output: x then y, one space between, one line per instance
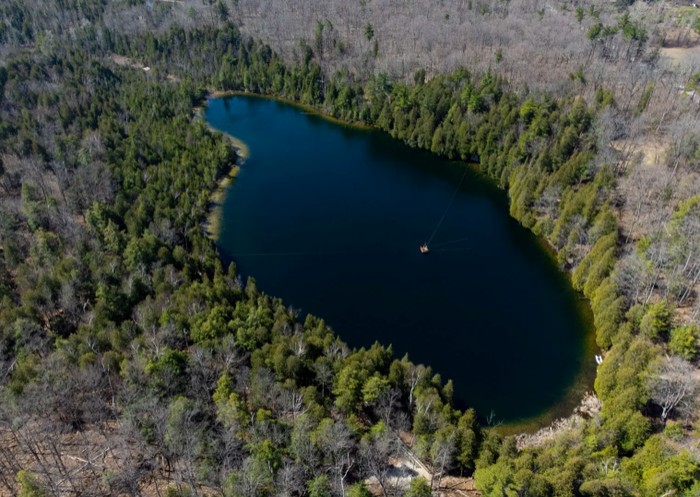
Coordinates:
124 61
404 468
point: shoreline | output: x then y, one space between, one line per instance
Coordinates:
305 107
588 408
572 399
581 389
213 218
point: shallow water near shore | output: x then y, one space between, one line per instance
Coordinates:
330 218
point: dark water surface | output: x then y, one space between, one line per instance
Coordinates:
330 219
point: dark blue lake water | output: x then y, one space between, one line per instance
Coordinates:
330 219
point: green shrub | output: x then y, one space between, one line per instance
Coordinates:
684 341
656 323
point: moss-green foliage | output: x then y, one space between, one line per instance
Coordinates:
319 487
593 269
674 430
29 486
356 383
554 469
657 469
644 99
578 463
175 491
419 487
607 307
359 490
631 30
656 322
620 385
684 341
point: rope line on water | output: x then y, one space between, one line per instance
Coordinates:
344 252
312 252
355 252
447 208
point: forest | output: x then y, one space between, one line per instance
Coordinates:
132 362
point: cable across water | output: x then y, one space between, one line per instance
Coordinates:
447 208
355 252
336 252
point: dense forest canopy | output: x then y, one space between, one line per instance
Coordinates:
133 363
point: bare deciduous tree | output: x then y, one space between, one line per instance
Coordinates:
673 386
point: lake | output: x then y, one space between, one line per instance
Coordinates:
330 218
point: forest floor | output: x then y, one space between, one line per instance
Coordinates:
84 462
680 54
124 61
80 461
406 467
680 45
